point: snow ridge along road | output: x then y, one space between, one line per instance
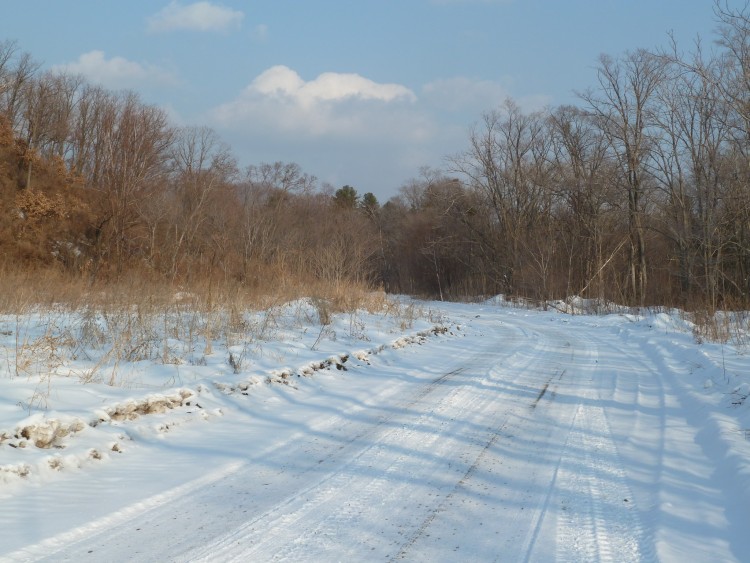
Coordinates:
533 437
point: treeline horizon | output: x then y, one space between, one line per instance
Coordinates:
640 194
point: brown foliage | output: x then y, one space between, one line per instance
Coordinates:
43 225
640 197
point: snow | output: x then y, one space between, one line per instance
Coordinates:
429 432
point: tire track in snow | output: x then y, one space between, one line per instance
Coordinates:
567 357
346 500
597 515
637 387
578 509
51 545
325 511
598 518
542 511
349 505
99 534
341 501
495 435
267 534
551 350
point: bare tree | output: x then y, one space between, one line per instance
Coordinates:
15 77
507 163
201 165
131 146
283 177
734 36
695 135
583 173
622 106
733 80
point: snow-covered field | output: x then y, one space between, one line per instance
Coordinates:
439 432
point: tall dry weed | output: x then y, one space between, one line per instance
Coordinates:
105 324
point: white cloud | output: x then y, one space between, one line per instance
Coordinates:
474 96
283 82
346 128
333 104
117 72
198 16
461 93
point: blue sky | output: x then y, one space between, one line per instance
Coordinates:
359 92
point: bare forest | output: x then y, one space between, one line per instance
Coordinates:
639 193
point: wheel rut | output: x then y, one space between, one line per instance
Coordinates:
597 514
362 472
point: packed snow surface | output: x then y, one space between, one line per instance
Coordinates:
473 433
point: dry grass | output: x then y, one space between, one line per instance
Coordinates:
58 319
22 290
721 326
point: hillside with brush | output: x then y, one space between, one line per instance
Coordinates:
46 215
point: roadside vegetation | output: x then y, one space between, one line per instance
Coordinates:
637 195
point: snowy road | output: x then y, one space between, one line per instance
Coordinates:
533 437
